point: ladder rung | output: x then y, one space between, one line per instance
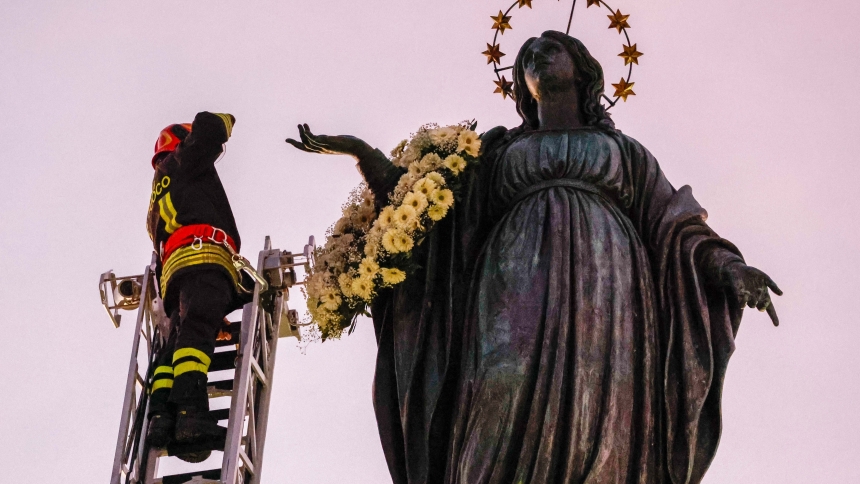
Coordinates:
222 414
225 360
179 449
182 478
220 385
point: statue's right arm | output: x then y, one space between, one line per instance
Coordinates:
380 174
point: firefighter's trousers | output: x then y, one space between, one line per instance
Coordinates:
205 297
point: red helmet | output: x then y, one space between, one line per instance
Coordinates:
170 138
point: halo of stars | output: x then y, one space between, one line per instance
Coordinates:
617 21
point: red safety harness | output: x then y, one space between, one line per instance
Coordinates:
194 236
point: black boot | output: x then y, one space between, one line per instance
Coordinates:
195 425
161 429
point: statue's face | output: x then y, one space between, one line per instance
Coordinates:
548 68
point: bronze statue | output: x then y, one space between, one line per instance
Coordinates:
573 319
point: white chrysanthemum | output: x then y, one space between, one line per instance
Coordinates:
392 276
398 150
405 216
371 249
341 225
441 136
431 161
469 142
455 163
436 212
416 200
409 156
421 140
442 197
364 217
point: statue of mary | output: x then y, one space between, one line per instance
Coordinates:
573 318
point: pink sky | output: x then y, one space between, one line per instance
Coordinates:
751 103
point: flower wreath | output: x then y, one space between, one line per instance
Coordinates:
366 250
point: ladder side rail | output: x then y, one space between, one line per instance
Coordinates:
266 393
153 332
128 400
239 405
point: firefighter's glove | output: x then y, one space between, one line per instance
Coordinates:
229 121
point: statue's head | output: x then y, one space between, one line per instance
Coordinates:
554 64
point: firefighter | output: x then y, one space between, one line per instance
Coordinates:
192 227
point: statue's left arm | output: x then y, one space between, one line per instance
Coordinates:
701 284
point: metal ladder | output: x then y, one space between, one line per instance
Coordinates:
264 320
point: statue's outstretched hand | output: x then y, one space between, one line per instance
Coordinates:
329 145
750 286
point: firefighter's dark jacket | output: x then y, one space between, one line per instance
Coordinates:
186 189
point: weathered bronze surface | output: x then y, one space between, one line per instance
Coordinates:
573 319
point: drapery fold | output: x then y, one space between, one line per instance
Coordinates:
420 323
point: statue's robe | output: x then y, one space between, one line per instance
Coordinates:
562 335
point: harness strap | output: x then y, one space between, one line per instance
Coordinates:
194 235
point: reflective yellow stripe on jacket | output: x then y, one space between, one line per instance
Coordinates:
188 256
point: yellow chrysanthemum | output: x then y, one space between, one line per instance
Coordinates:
424 186
469 142
442 197
345 283
405 216
368 267
330 300
388 240
438 179
392 276
418 201
362 287
386 217
403 242
436 212
455 163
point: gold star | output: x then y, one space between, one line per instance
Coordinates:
618 21
624 89
630 55
593 2
501 22
525 3
504 87
493 53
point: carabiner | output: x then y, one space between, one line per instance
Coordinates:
198 243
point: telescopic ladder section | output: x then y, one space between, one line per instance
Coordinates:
264 321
